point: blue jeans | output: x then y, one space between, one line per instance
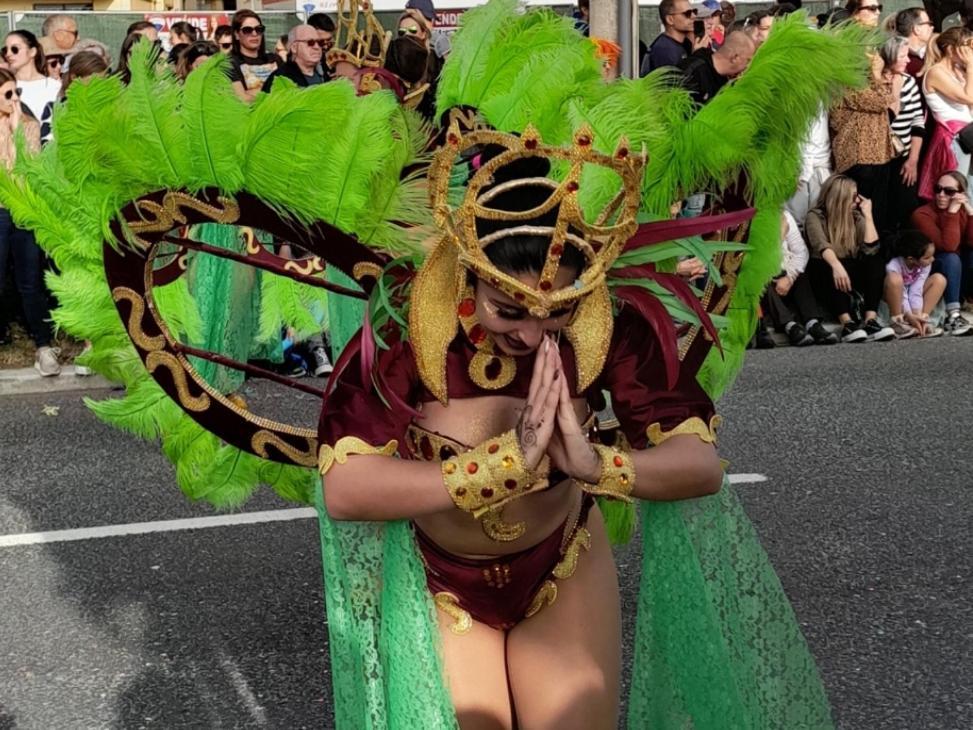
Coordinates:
20 244
953 266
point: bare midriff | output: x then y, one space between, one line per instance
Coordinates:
471 421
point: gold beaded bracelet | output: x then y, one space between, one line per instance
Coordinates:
492 474
617 474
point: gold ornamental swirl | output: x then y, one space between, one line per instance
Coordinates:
569 563
693 425
448 603
262 439
365 269
160 358
135 331
306 267
545 596
170 212
497 530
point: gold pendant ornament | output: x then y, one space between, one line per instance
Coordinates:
489 368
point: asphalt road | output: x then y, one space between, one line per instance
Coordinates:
866 514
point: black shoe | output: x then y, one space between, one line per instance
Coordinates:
878 333
798 336
821 335
764 340
853 332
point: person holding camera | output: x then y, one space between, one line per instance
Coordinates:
948 223
845 265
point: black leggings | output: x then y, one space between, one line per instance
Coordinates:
867 274
798 306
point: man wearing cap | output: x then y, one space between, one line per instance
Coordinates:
438 38
676 41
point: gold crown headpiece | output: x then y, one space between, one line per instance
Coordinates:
600 242
359 38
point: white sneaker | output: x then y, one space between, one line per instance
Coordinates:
956 325
45 361
322 365
82 370
903 330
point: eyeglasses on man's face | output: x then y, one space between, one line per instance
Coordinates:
315 43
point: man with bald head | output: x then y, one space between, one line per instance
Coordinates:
304 53
706 72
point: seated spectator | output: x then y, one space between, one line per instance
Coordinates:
305 51
193 56
62 31
845 264
789 301
223 38
250 64
911 292
676 41
948 223
908 129
144 28
914 25
948 91
706 72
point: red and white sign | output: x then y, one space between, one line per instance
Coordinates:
205 23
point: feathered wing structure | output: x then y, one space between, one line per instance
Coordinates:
315 154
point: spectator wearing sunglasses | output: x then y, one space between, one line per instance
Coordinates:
305 51
62 31
17 244
676 41
324 25
251 65
223 37
25 58
53 58
914 25
947 221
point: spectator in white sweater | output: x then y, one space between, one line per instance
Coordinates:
789 300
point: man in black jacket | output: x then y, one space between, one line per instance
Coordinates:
706 72
304 53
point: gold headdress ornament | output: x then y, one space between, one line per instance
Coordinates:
441 283
359 38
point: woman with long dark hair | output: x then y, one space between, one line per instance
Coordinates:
25 58
251 65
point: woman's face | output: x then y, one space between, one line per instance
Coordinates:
225 42
514 330
868 13
928 256
251 35
409 26
16 52
902 60
945 190
9 96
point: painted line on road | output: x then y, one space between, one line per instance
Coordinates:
199 523
747 478
143 528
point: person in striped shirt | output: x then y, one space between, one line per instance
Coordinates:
908 127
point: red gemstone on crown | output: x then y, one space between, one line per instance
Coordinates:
493 448
510 484
622 153
486 492
530 144
618 461
556 250
584 140
545 285
572 186
472 467
467 307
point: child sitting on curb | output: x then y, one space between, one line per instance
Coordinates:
911 291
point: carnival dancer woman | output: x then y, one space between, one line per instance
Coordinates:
506 425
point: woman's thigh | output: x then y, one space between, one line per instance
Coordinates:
476 674
564 663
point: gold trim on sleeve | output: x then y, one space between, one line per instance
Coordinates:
348 446
694 425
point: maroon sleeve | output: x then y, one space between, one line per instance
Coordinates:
356 408
635 376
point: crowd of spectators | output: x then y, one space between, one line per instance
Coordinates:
878 235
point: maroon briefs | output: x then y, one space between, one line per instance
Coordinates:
502 591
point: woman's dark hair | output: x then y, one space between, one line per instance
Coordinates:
83 65
139 25
911 244
7 77
125 54
175 53
184 28
222 30
959 178
31 40
321 21
190 53
527 254
237 23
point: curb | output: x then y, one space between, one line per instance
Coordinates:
27 381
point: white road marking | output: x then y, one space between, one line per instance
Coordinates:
743 479
199 523
142 528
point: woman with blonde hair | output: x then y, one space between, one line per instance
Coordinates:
948 90
845 263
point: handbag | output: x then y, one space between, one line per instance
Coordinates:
965 138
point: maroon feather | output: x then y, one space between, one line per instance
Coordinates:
654 312
670 230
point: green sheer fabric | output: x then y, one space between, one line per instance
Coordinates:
345 315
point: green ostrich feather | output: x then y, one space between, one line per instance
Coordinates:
165 135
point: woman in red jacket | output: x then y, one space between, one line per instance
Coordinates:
948 222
